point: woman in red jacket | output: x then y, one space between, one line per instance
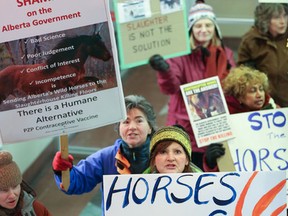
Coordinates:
208 57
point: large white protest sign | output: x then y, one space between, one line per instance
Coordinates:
59 69
261 140
222 193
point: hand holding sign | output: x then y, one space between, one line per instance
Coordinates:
63 162
158 63
213 152
60 164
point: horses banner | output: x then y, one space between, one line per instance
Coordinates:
221 193
145 28
261 141
59 70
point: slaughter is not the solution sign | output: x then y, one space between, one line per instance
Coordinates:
59 71
148 27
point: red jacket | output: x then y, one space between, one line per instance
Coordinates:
186 69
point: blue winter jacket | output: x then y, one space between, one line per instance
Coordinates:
89 172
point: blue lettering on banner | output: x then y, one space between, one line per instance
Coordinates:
156 189
234 193
135 197
164 186
126 198
190 193
258 159
276 119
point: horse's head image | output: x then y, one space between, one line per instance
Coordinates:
64 67
98 48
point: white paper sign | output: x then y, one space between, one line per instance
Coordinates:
232 193
261 140
59 69
207 111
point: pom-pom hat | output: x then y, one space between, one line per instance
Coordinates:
201 11
10 174
171 133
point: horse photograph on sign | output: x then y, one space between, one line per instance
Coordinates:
57 71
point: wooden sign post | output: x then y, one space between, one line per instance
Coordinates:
226 163
64 155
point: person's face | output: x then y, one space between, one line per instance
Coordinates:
173 159
135 128
9 198
254 97
278 24
203 31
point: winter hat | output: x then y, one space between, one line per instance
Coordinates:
200 10
10 175
171 133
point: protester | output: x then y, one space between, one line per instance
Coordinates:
265 47
128 155
170 151
17 198
208 57
245 89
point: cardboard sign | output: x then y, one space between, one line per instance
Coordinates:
148 27
227 193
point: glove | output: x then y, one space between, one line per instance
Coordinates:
158 63
213 152
60 164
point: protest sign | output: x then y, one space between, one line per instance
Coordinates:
207 111
261 140
226 193
145 28
59 71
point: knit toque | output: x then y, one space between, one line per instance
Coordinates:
201 11
10 174
171 133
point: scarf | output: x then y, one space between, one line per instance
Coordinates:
138 157
235 106
216 62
